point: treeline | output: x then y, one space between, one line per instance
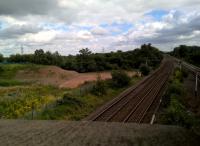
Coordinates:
190 54
86 61
1 58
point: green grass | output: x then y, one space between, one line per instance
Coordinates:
18 99
11 82
8 73
176 112
15 102
80 104
74 111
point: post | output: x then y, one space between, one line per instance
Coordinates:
152 119
32 107
196 85
80 91
146 63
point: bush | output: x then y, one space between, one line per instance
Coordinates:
178 75
175 88
144 69
185 73
1 69
99 88
69 100
1 58
176 114
120 78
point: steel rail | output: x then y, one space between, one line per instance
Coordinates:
138 99
126 94
163 85
145 97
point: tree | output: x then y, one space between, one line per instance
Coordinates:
99 88
1 58
120 78
190 54
144 69
39 57
85 62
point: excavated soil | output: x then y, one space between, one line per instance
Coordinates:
59 77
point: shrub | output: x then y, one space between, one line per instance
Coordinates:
1 58
175 88
185 73
144 69
69 100
176 114
178 75
120 78
99 88
1 69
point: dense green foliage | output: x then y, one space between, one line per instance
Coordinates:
1 58
144 69
79 103
120 78
190 54
8 72
176 112
39 57
19 99
15 102
99 87
87 61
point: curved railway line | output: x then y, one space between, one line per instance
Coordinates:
135 104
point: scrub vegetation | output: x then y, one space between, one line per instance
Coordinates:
28 99
176 112
78 103
86 61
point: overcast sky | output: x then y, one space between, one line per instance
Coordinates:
69 25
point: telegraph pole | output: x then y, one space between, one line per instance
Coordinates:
196 85
103 50
22 50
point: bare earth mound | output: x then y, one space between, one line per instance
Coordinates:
59 77
45 133
47 75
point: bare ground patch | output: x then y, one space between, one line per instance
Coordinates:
59 77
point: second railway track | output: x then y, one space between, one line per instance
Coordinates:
133 104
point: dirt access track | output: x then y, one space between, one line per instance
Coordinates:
54 75
63 133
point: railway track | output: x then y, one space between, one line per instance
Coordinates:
132 106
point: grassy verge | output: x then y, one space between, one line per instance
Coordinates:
8 72
15 102
79 103
176 113
22 99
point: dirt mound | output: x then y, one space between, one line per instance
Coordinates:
81 78
47 75
59 77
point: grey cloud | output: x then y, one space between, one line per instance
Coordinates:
25 7
171 35
94 13
15 31
99 31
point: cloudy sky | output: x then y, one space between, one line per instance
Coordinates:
69 25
